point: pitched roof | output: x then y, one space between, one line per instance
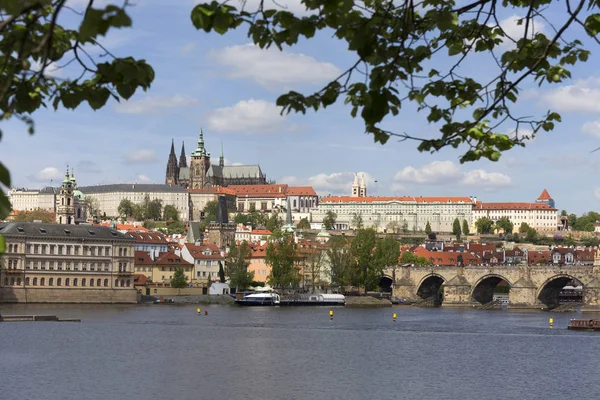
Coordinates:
275 190
81 231
264 232
545 195
142 258
213 190
170 258
204 251
408 199
513 206
148 237
448 258
132 187
300 191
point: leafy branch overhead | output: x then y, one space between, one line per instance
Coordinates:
34 46
401 48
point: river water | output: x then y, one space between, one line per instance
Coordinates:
149 352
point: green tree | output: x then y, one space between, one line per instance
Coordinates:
281 256
410 258
329 220
405 226
524 227
243 219
138 212
170 213
531 236
484 225
456 230
179 280
339 261
176 227
236 266
315 258
303 224
357 221
366 272
465 227
273 223
393 227
387 254
35 215
33 42
126 208
92 206
428 228
397 64
210 211
505 224
153 209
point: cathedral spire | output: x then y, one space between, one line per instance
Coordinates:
172 153
182 158
200 150
222 158
172 174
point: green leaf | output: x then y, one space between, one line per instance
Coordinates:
592 24
4 175
2 245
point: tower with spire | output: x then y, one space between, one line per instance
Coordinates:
355 187
172 175
199 165
222 157
182 158
363 187
65 202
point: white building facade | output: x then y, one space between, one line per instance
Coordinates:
536 215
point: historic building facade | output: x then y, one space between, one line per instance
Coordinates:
201 173
540 215
60 263
405 213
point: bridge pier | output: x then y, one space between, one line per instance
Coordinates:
591 296
457 293
522 296
405 289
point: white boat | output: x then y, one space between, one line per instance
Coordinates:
260 299
273 299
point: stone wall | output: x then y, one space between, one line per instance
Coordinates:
74 295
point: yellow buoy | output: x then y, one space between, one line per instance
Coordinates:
551 322
198 311
331 313
394 316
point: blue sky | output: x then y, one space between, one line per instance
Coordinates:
228 86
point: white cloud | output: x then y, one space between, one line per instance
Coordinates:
143 179
154 104
273 68
591 128
247 116
581 96
447 172
514 31
294 6
435 173
47 174
51 70
188 47
140 157
229 162
337 183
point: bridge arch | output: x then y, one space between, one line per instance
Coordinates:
386 282
430 286
483 290
548 292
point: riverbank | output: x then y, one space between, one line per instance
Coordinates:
366 302
193 299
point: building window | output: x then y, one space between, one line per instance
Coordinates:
12 281
75 282
60 249
27 281
67 281
51 282
98 281
83 282
51 249
43 282
105 282
59 282
122 282
35 249
128 283
50 264
76 266
116 283
34 281
120 252
60 265
92 266
124 252
92 282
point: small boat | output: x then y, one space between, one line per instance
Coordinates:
259 299
584 324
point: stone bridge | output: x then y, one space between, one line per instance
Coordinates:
533 287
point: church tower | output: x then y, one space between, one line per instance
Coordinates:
199 165
182 158
363 187
355 187
222 158
65 203
172 175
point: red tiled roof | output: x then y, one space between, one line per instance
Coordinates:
198 251
300 191
537 256
127 227
169 258
275 190
375 199
447 258
513 206
213 190
545 195
140 280
261 232
142 258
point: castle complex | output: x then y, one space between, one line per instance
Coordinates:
202 174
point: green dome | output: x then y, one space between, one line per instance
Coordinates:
78 195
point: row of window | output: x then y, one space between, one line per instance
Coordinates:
67 282
66 249
67 265
149 269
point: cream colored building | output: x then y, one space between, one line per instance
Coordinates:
110 196
33 199
536 215
66 264
200 197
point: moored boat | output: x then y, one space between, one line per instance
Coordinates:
273 299
259 299
584 324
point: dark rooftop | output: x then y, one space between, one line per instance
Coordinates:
35 229
132 187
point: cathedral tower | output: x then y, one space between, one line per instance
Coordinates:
222 158
65 202
172 175
363 187
182 158
199 165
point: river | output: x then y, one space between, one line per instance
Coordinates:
150 352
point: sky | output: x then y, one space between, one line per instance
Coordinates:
228 86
